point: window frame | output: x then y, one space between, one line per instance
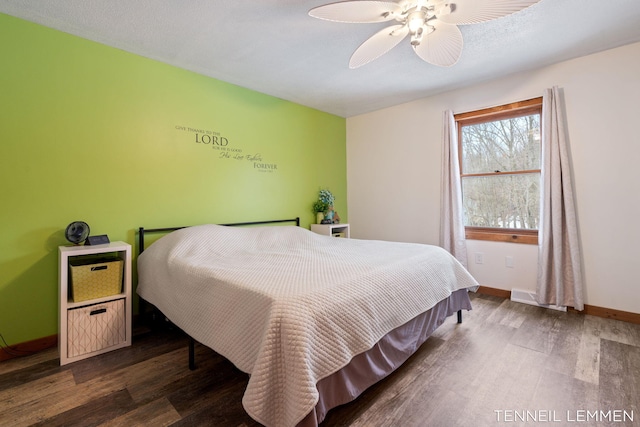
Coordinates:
502 112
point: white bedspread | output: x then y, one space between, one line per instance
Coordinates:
288 306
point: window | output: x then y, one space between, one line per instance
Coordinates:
500 171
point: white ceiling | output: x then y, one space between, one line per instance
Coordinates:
274 47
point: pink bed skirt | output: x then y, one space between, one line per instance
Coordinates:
384 357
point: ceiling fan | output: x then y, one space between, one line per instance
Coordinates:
432 24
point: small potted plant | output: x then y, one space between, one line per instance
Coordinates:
319 208
325 196
324 206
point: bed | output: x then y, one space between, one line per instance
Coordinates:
314 320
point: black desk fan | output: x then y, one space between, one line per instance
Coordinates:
77 232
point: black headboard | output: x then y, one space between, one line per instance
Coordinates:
142 231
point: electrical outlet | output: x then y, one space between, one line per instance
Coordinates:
508 261
479 258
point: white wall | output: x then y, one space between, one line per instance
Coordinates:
393 172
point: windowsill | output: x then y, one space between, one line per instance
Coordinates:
527 237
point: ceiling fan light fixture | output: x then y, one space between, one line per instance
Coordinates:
416 21
419 35
436 19
416 36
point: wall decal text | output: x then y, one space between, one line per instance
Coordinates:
227 149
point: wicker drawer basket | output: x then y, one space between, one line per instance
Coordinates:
94 327
95 278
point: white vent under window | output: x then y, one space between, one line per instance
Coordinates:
527 297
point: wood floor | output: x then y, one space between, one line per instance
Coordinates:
506 362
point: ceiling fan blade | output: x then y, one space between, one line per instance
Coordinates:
357 11
442 47
475 11
378 44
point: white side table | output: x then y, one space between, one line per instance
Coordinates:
335 230
94 326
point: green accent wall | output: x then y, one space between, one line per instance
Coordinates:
93 133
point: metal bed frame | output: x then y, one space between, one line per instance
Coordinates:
142 231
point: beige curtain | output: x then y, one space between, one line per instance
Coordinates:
452 236
559 258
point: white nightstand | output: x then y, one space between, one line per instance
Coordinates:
335 230
95 325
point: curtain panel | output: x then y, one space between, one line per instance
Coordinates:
452 234
559 259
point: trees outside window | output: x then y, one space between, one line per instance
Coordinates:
500 150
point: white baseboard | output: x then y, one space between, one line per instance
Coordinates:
528 297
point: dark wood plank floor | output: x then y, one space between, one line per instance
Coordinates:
505 361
